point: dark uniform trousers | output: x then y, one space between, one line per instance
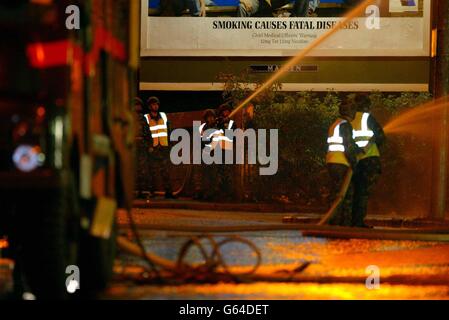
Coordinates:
251 183
225 181
142 157
366 174
159 168
204 179
343 216
142 164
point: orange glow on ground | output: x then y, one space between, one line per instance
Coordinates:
284 291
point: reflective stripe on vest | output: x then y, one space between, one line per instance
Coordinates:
200 129
223 140
336 141
158 129
207 147
362 135
360 132
336 148
219 138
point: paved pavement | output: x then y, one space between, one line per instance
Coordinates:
408 269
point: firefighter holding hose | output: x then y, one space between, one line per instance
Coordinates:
225 172
369 136
341 158
204 175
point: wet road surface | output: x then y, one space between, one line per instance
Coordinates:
408 269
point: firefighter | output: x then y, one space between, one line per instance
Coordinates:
143 138
203 175
369 136
225 172
159 150
342 156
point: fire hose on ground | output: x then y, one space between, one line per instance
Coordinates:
338 200
214 267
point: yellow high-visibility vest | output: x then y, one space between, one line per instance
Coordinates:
362 136
158 129
336 148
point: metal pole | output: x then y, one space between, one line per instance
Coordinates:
441 90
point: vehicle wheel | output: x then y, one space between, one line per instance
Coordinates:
45 244
97 256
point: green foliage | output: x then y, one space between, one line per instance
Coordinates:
303 119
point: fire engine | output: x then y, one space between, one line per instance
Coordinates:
66 137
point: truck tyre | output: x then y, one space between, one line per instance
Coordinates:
97 256
46 245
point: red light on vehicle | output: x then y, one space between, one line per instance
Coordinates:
65 52
40 112
40 54
20 130
49 54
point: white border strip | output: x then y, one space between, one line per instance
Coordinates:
217 86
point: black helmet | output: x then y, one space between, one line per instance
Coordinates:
153 100
138 101
346 109
224 107
208 112
363 102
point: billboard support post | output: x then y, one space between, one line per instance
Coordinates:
440 158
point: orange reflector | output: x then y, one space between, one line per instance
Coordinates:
434 42
3 244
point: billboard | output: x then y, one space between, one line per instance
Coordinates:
278 28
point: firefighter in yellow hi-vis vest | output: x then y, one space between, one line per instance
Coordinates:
159 149
341 156
143 138
369 136
225 172
204 179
